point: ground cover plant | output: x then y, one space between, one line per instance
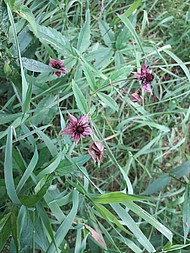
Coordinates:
94 129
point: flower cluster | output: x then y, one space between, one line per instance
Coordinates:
57 64
145 77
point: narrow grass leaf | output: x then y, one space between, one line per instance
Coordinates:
51 167
116 197
130 223
46 221
108 101
28 171
80 99
24 82
128 24
108 216
26 105
42 187
84 35
150 219
54 207
90 66
5 230
8 169
132 8
6 117
14 231
66 225
179 61
147 146
186 213
48 142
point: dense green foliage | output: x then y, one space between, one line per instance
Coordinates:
53 196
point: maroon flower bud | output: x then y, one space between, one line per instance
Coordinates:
96 151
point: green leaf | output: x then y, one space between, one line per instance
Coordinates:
181 170
128 24
8 169
132 8
10 2
51 167
28 171
150 219
80 99
6 117
106 32
26 105
14 233
27 14
157 185
116 197
90 66
53 37
89 76
40 190
179 61
84 35
66 224
108 101
130 223
24 82
186 213
46 221
5 230
48 142
35 66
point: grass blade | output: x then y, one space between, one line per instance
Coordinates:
28 171
66 225
8 169
80 99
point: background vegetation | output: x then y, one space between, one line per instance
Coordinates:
53 197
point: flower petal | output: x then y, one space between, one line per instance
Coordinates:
77 138
99 145
72 119
147 87
87 130
138 75
68 130
52 61
83 119
143 68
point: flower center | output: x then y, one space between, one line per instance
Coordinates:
149 77
57 65
79 129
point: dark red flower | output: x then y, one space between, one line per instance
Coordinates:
57 64
77 128
96 151
145 77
